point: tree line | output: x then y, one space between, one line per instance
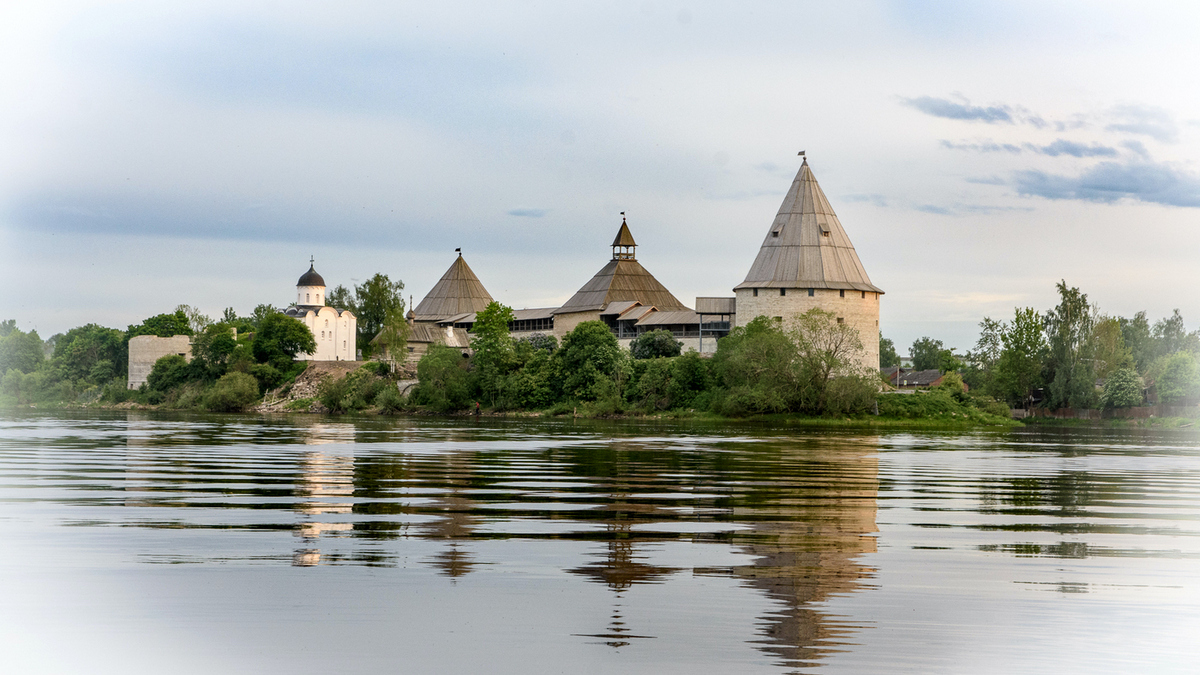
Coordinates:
1071 356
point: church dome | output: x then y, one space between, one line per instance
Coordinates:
311 278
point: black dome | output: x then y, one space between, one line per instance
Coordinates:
311 278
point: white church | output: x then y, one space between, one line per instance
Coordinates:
333 329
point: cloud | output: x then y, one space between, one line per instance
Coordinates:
1109 182
937 210
987 180
527 213
1065 147
874 199
940 107
1146 121
984 146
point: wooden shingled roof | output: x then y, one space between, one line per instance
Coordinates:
806 246
622 279
459 291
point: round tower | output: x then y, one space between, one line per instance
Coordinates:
310 289
807 262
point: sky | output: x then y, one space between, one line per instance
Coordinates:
155 153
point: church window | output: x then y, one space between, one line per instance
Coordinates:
322 335
327 323
842 293
864 295
306 297
756 292
811 292
783 291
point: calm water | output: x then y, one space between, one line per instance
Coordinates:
138 543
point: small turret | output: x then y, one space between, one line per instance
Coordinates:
310 289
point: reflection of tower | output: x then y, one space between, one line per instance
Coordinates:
808 543
325 484
621 567
455 522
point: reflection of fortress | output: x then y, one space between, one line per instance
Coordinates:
808 546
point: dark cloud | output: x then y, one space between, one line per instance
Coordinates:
1110 181
527 213
985 146
1146 121
940 107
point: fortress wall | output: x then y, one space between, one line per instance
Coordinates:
144 350
859 312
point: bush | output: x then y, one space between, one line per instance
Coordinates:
444 381
654 344
355 391
168 373
380 368
389 400
267 375
234 392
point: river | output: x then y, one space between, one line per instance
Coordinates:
139 542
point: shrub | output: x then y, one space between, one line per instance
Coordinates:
234 392
1122 389
267 375
654 344
444 381
168 373
389 400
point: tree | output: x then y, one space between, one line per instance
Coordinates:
888 358
588 360
211 349
444 381
493 348
7 326
1072 368
280 338
20 351
162 325
197 320
234 392
393 337
91 353
261 312
655 343
1122 389
1109 353
1177 378
168 372
926 353
1135 333
757 365
372 302
1019 368
824 349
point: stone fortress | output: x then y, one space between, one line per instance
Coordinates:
806 261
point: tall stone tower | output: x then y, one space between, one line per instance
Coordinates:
807 261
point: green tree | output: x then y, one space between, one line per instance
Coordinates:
1122 389
7 326
162 325
196 319
1109 352
1071 364
825 349
393 338
21 351
260 313
280 338
493 356
445 383
926 353
1019 367
888 358
168 373
372 302
211 350
90 352
1135 333
757 365
234 392
589 361
1177 378
655 343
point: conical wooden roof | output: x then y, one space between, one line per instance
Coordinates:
806 246
623 279
459 291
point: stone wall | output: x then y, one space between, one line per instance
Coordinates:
861 313
144 350
565 323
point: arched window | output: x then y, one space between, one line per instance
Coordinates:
327 323
322 335
306 298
